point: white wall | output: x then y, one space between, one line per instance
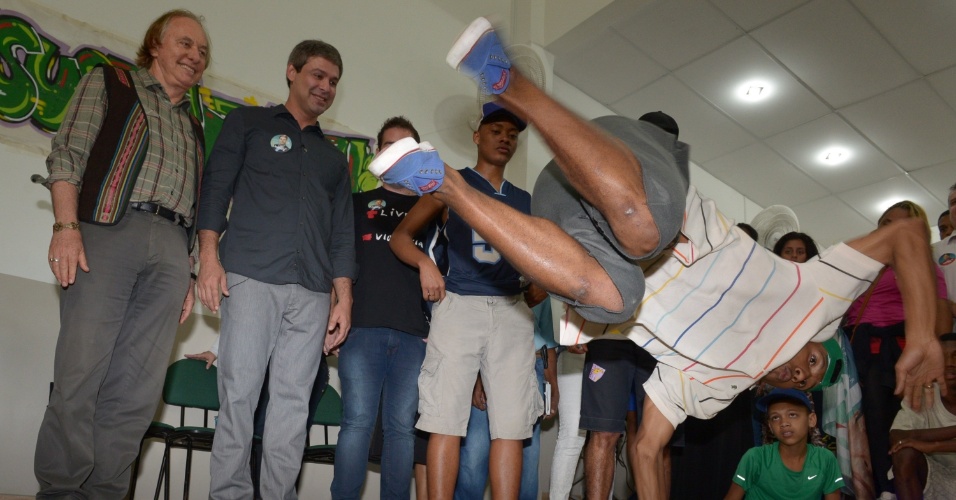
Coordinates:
394 64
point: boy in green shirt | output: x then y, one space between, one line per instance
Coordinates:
788 468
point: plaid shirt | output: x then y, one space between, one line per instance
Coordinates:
167 176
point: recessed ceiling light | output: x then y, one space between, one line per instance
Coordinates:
834 155
754 91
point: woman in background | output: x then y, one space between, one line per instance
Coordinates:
875 324
796 247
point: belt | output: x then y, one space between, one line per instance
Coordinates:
155 209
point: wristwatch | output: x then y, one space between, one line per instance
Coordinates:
59 226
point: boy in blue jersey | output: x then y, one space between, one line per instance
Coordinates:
480 323
787 468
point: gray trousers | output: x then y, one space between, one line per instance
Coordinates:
117 326
282 327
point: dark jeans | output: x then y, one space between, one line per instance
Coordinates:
379 370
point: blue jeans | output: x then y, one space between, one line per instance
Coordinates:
378 364
476 449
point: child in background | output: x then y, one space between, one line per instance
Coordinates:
787 468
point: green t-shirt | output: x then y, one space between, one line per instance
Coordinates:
762 475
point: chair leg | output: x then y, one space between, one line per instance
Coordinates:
169 473
189 463
134 473
163 473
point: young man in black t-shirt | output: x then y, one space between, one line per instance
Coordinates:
383 355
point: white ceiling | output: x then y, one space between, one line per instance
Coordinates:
877 77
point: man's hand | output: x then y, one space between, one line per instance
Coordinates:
189 302
551 377
66 253
340 315
478 399
920 446
66 246
433 283
920 365
206 356
338 329
212 283
578 348
534 295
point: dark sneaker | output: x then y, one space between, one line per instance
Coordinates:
410 165
478 54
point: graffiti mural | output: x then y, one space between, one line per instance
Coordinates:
37 79
39 73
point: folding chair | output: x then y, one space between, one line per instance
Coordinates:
161 431
188 385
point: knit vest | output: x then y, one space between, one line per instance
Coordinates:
119 151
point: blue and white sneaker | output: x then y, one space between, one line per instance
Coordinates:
408 164
478 54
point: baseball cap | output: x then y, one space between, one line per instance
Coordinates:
775 395
492 112
834 364
662 120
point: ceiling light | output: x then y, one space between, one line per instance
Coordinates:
834 155
754 90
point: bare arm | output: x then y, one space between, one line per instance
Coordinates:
903 245
944 318
940 439
925 446
340 314
66 246
833 495
737 493
403 245
212 277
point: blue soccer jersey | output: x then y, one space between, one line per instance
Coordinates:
474 266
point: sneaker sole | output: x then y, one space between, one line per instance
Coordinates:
467 40
385 160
